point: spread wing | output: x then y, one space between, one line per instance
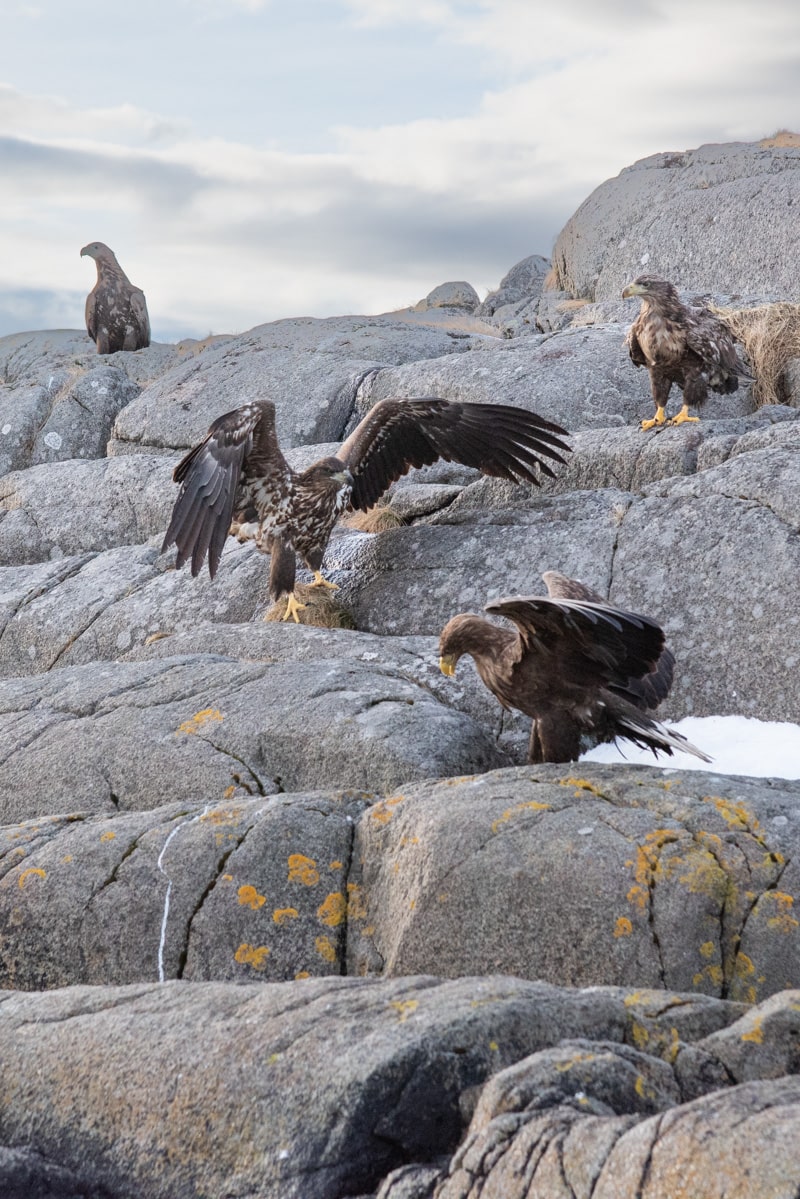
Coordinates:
209 475
645 692
498 439
584 643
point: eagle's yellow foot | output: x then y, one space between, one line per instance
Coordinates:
660 418
683 416
292 608
319 581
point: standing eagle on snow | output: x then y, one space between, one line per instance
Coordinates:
584 671
238 471
116 311
679 344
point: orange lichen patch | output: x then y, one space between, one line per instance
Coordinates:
302 870
582 785
227 878
756 1033
707 949
783 920
532 805
325 948
249 898
229 792
405 1008
333 909
284 915
303 974
337 865
31 872
647 865
382 812
356 907
623 927
404 841
108 835
222 816
412 903
252 955
200 719
703 875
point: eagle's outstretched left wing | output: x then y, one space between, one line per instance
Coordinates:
498 439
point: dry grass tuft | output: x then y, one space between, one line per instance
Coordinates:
374 520
571 305
780 139
322 608
770 335
550 282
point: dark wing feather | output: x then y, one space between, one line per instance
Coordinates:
507 442
714 344
209 475
645 692
636 352
609 644
91 322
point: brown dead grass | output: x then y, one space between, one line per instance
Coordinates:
781 139
571 305
322 609
374 520
550 282
770 335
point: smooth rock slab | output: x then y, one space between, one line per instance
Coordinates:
134 736
318 1089
586 875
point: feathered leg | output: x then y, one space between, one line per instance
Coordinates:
694 393
659 386
282 569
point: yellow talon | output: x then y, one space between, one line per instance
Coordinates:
660 418
683 416
292 608
320 582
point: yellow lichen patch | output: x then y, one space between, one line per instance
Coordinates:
582 785
108 835
640 1035
229 792
494 1046
756 1033
713 973
222 816
707 949
405 1008
337 865
67 858
623 927
743 986
783 920
356 907
382 812
303 974
638 896
200 719
227 878
703 876
284 915
332 910
303 870
249 898
252 955
31 872
532 805
641 1088
325 948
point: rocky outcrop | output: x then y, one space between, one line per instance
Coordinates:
722 218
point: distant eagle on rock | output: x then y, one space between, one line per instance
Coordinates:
238 472
678 344
116 311
584 671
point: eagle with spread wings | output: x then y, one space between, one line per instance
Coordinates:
680 344
238 472
583 670
116 310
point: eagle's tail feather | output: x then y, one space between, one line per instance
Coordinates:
651 734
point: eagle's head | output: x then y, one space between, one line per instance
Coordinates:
99 251
463 634
651 287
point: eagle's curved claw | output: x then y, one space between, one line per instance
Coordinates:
660 418
319 581
293 606
683 416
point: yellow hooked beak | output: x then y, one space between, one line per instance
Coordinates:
633 289
447 665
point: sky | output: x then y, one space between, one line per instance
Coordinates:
249 160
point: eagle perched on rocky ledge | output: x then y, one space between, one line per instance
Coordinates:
683 345
116 310
584 671
238 472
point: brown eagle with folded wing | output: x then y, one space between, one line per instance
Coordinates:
678 344
238 472
116 310
584 671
